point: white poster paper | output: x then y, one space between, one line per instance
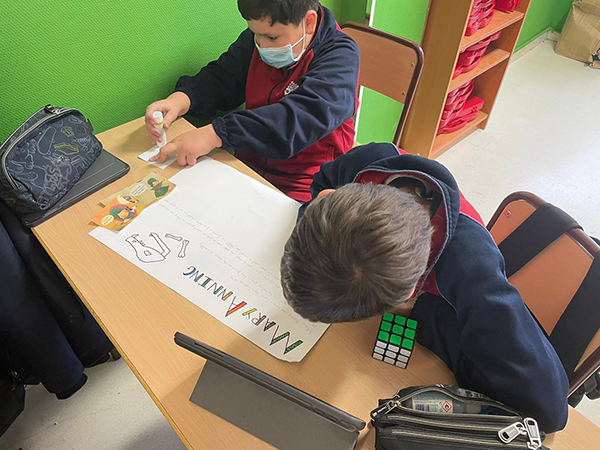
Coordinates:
218 240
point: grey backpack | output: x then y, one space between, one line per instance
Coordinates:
45 157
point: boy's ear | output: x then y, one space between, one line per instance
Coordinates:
310 20
325 192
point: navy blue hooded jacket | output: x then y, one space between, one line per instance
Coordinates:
296 118
469 314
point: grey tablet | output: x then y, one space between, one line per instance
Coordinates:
106 169
265 406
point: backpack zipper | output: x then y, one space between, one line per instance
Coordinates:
56 112
438 424
396 402
528 428
485 443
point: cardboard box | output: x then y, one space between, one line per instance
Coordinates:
580 38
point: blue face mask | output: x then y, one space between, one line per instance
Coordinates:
280 57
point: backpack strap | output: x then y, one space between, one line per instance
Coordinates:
537 232
580 322
581 319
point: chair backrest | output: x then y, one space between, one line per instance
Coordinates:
389 64
556 268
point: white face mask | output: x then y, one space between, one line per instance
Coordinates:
280 57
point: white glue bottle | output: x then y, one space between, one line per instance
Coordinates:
159 125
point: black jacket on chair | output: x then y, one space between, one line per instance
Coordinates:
48 333
12 393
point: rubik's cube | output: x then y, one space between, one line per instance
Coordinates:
395 340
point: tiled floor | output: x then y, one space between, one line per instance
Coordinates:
112 411
543 137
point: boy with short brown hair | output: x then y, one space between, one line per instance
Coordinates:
295 72
386 228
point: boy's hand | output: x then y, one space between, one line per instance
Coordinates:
190 146
174 106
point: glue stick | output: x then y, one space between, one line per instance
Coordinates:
159 125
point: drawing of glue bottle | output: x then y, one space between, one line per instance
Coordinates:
159 122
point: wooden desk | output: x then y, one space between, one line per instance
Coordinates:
141 315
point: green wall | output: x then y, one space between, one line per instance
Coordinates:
347 10
353 11
561 11
334 5
379 115
109 58
543 14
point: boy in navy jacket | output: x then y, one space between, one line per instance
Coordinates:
298 75
387 228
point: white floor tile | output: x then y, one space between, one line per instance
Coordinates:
112 411
543 137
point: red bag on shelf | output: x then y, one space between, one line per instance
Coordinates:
456 103
468 57
467 67
481 16
507 5
471 57
460 118
483 6
457 124
459 94
457 97
473 105
485 42
486 20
